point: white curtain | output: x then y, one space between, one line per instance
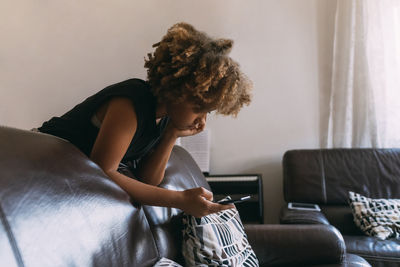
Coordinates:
364 109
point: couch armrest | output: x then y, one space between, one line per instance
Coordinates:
290 216
286 245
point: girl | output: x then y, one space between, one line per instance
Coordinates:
134 124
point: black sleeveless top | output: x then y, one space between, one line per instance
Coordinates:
76 126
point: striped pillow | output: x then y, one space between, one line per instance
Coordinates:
164 262
217 239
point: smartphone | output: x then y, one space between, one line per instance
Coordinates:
303 206
234 200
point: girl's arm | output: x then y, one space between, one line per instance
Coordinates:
152 167
116 132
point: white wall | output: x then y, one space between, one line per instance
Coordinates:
54 54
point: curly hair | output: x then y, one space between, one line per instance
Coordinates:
188 65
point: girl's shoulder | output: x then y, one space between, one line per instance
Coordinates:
133 81
130 87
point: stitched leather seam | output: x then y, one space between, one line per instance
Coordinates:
153 234
388 259
11 238
323 177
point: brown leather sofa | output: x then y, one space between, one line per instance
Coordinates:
324 177
58 208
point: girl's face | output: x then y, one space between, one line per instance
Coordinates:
183 116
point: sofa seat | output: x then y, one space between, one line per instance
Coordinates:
374 250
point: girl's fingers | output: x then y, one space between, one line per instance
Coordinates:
219 207
207 194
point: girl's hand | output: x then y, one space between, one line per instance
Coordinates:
198 202
176 132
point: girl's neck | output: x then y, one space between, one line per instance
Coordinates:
161 110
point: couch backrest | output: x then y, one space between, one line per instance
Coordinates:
58 208
325 176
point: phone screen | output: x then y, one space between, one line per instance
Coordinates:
303 205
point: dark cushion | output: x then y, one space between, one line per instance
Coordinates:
350 260
375 251
290 216
296 245
342 218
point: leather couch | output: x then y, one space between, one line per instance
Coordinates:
58 208
324 177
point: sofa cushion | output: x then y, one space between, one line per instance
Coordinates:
217 239
352 260
341 217
376 217
377 252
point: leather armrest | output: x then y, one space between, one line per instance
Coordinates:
286 245
290 216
